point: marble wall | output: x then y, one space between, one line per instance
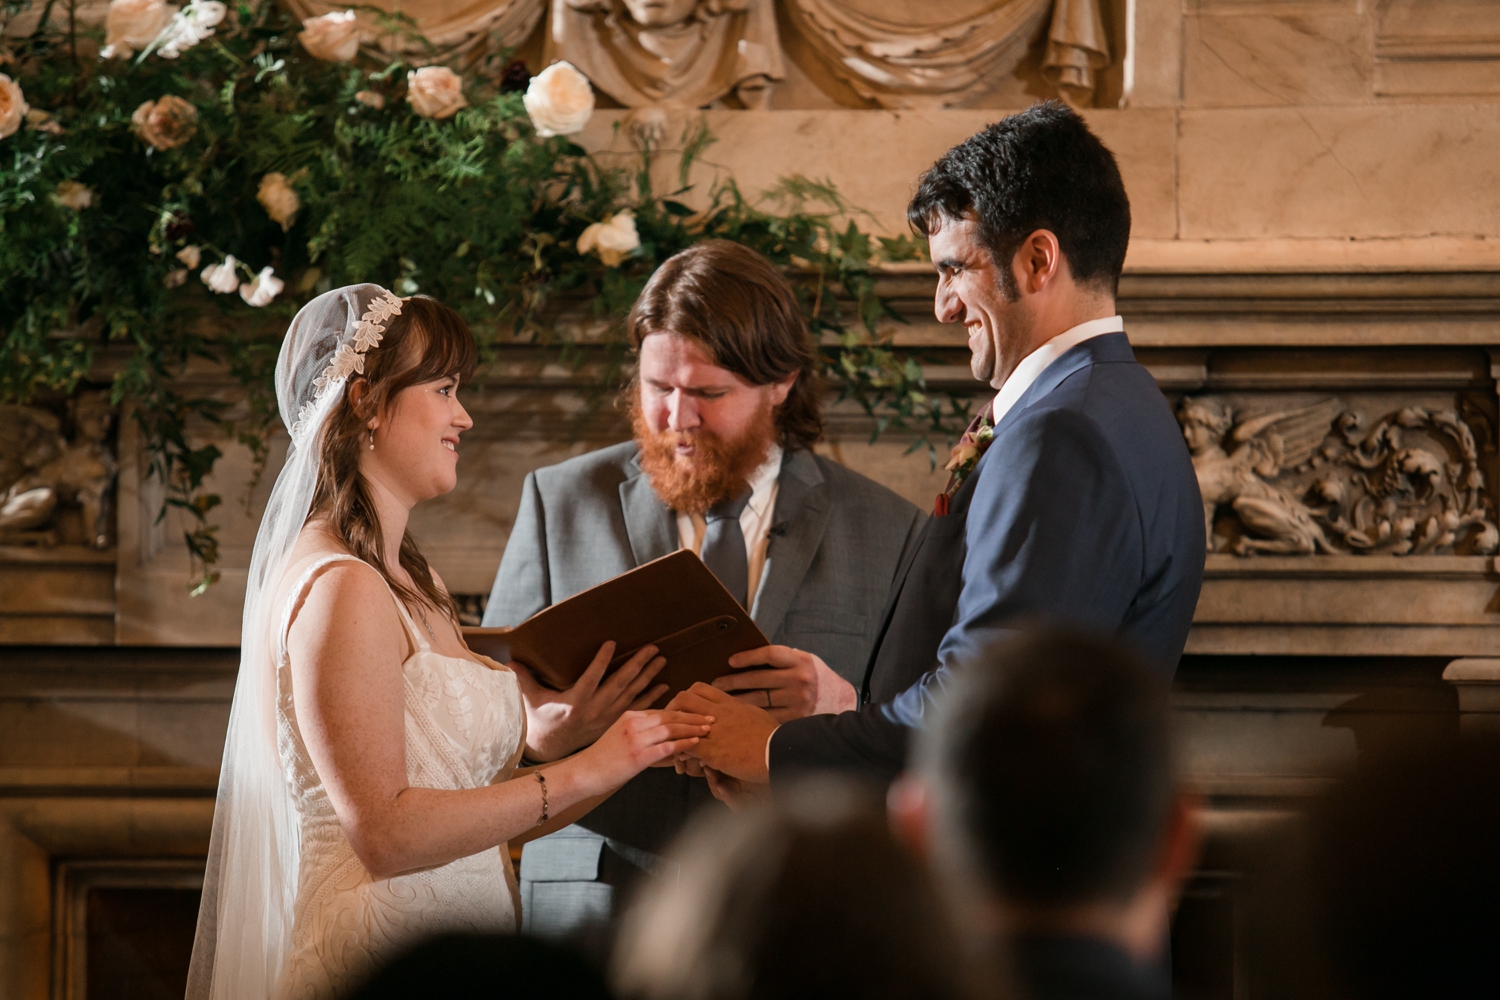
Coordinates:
1326 141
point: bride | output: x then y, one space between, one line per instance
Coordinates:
369 790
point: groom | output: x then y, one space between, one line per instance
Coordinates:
1073 496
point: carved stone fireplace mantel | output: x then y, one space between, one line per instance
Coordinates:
1344 423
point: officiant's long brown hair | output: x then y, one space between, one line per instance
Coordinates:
428 341
738 306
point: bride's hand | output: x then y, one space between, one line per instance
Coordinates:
559 722
638 740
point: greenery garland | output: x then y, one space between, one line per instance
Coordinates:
143 191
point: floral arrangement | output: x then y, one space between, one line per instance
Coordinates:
272 159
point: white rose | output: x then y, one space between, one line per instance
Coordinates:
222 277
12 106
280 201
435 92
71 194
263 289
332 37
190 256
196 22
559 100
132 25
613 239
371 99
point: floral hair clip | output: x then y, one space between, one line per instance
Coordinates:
349 359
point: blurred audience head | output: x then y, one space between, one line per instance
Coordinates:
1392 890
472 966
1046 791
806 896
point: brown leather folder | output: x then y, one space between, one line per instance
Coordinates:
675 603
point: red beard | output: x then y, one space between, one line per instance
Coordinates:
718 470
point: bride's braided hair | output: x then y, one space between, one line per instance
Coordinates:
426 342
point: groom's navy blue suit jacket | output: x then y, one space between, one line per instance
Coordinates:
1085 509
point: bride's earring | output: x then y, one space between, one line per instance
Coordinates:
372 439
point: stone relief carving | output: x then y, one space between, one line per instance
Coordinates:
946 63
44 475
463 29
693 53
679 52
1312 480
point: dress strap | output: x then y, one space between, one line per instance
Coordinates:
304 581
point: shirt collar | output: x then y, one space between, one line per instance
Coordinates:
1039 360
763 480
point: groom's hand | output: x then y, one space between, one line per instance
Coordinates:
797 683
736 745
559 722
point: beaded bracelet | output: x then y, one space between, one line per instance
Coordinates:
543 782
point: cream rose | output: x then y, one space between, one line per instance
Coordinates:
131 25
559 100
166 123
12 106
332 37
191 257
371 99
280 201
435 92
71 194
222 278
613 239
260 291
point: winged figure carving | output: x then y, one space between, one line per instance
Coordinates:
1236 463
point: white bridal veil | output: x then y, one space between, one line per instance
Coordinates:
245 921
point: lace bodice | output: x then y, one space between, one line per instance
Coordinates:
465 726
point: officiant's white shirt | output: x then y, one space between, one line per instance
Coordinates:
755 520
1031 367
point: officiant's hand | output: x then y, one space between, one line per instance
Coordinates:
736 745
797 683
559 722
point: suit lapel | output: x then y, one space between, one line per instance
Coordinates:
648 523
798 523
1104 348
1107 347
1110 347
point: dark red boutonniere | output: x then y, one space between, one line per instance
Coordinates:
962 460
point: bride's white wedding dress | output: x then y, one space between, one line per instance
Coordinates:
465 726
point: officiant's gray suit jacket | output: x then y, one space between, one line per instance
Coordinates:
836 543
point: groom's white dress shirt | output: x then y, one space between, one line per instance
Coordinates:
1031 367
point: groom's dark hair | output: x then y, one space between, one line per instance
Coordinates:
1039 169
1051 767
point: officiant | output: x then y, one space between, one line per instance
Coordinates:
725 409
